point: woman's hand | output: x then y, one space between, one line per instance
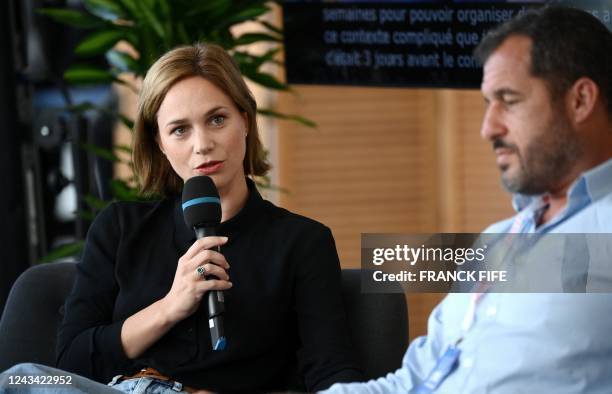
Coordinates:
189 286
144 328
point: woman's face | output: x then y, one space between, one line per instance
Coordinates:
202 132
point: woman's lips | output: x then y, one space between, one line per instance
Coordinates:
209 168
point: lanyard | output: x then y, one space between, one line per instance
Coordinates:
470 315
447 363
518 226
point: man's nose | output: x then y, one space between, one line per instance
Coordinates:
493 126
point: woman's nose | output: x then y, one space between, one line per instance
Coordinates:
203 142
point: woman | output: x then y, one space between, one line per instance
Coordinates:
136 302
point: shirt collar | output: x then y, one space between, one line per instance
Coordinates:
184 236
589 187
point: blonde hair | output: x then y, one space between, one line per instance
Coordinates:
213 63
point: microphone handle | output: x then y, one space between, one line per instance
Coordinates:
215 301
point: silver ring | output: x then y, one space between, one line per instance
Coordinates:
200 271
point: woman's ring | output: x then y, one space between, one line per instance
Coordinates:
200 270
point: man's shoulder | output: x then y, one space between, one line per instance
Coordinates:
594 218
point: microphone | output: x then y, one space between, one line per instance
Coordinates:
202 212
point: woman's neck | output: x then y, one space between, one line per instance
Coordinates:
233 199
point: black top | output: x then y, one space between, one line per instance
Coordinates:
285 304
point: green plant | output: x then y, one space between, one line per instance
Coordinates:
148 29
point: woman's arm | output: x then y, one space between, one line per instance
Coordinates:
144 328
325 356
88 340
90 343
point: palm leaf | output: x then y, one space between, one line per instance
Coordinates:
68 250
295 118
98 42
71 17
83 74
107 10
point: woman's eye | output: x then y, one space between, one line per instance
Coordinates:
178 131
217 120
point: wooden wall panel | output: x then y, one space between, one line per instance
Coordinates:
389 160
483 199
368 168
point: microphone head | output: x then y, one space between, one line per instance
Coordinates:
201 202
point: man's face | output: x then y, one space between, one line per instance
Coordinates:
533 139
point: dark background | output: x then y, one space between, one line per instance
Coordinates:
306 50
45 172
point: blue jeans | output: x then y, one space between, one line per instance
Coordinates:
41 379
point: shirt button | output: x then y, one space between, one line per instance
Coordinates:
491 311
467 362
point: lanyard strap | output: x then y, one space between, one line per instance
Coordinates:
470 314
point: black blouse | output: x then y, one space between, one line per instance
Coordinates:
284 311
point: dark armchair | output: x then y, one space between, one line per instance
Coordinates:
33 312
378 325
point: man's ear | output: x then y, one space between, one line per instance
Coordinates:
583 96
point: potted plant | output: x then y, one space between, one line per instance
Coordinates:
132 34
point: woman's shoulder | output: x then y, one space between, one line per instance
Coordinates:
130 213
286 219
127 207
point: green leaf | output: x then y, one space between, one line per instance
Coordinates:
165 10
81 74
207 9
95 203
295 118
124 192
266 80
86 215
72 249
122 61
82 107
267 185
124 148
132 8
271 27
183 37
246 15
150 19
268 56
98 42
253 62
129 123
108 10
71 17
249 38
101 152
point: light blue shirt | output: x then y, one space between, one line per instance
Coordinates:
522 343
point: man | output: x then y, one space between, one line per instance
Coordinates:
548 88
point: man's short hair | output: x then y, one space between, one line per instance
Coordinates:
567 44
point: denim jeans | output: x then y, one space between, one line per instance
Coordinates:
146 386
41 379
